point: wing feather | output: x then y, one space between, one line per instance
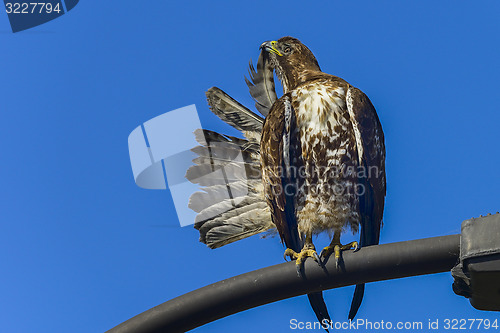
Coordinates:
234 114
212 195
261 84
227 221
250 220
373 160
371 204
231 204
276 136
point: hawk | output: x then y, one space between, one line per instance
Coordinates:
315 162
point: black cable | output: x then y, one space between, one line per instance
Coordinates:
274 283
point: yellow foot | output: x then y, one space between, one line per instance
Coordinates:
301 257
336 249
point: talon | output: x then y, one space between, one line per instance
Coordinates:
349 246
317 258
336 247
290 253
307 251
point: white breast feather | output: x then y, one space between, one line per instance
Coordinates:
315 107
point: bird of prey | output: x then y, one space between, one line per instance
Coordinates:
315 162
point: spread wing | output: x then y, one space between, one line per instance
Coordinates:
231 205
276 141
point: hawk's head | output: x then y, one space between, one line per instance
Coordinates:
291 60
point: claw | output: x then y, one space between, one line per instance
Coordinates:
290 253
301 257
317 259
355 245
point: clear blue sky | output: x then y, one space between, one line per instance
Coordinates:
82 248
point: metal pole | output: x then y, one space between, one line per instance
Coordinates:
274 283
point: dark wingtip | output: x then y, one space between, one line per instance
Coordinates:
356 300
319 307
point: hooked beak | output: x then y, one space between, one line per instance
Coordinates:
270 46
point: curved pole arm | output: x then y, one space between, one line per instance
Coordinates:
274 283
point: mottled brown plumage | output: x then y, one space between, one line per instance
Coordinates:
323 140
321 137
